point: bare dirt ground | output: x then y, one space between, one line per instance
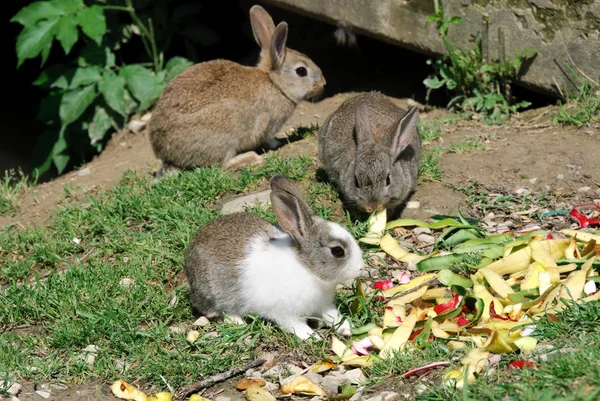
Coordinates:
529 153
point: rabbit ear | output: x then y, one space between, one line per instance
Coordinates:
405 132
263 26
293 214
278 47
363 124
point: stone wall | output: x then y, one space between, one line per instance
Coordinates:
559 30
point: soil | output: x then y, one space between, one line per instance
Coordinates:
528 153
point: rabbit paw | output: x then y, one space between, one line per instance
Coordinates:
243 160
332 317
300 329
235 319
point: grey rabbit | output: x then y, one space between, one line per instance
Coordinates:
240 264
371 151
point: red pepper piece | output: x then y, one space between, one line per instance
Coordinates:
493 313
448 305
462 320
521 364
549 236
584 221
415 334
383 285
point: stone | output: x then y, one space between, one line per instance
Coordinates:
413 205
126 282
272 387
331 383
146 117
89 354
390 396
43 393
222 398
13 389
136 126
355 376
560 177
201 321
426 238
556 30
421 230
241 203
583 189
83 172
315 377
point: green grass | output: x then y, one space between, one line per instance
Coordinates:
61 286
468 145
430 164
583 109
11 188
480 198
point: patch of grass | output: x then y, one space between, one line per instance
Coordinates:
430 164
583 109
430 130
480 198
574 319
468 145
11 188
62 285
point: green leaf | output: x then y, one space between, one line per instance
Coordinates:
66 33
455 20
48 111
34 12
74 103
112 88
143 85
92 22
68 6
99 125
175 66
60 155
86 76
41 156
433 82
92 54
34 38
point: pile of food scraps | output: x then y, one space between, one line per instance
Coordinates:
493 311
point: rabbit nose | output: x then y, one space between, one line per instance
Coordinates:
373 205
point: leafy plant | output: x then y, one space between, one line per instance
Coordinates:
583 108
96 91
479 85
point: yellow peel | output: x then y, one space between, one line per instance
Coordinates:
540 254
526 344
581 235
514 262
302 385
399 338
496 282
408 298
405 287
393 248
257 393
126 391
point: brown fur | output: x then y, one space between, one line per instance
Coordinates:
216 110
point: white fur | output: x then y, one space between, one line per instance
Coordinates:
355 262
277 286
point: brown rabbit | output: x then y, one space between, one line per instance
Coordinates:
218 112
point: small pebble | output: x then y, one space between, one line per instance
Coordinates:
136 126
89 353
355 376
560 177
412 266
222 398
201 321
426 239
422 230
13 389
83 171
146 117
584 189
413 205
598 191
533 180
126 282
173 301
43 393
177 329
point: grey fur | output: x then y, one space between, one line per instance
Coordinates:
212 260
364 140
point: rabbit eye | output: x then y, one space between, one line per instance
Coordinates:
338 251
301 71
388 181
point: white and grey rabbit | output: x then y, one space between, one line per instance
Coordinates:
219 110
240 264
371 151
